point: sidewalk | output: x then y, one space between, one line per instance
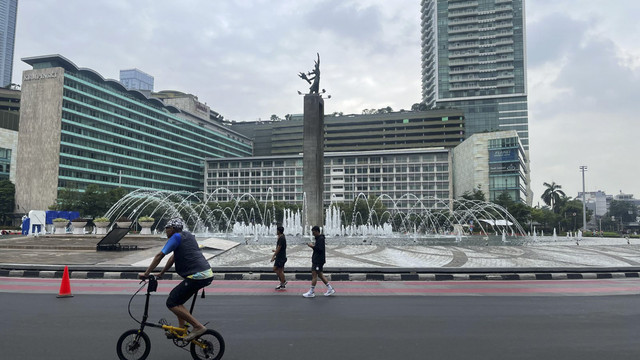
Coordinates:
46 256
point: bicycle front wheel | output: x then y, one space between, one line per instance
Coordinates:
209 346
133 345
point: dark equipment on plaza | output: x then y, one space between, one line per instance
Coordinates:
110 242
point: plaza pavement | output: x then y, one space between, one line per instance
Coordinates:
561 258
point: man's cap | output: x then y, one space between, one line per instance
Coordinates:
175 223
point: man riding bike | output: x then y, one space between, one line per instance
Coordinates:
191 265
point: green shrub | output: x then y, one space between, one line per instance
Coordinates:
101 219
60 220
145 219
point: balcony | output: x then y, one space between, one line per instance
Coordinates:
464 62
464 21
505 16
503 34
504 59
505 67
463 55
464 38
507 25
506 83
464 87
504 8
463 71
463 79
463 5
462 13
463 46
504 51
506 76
463 30
503 42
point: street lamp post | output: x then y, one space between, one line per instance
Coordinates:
584 202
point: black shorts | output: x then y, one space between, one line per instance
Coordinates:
279 263
317 267
183 291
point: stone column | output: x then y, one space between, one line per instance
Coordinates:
313 160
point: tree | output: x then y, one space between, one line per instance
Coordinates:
476 194
384 110
114 195
68 199
93 201
419 107
571 212
552 194
622 212
358 211
7 199
520 211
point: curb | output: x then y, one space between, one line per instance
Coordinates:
80 274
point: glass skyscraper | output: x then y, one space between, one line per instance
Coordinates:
8 13
474 59
134 79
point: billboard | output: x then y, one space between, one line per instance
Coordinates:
503 155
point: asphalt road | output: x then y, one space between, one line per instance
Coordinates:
39 326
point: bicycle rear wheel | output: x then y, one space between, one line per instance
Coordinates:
210 347
133 345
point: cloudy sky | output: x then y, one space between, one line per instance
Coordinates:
242 59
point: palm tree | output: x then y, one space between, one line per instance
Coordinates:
552 194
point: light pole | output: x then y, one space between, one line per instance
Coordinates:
584 202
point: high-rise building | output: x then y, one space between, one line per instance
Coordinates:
493 163
78 128
399 178
474 59
134 79
8 13
9 123
388 131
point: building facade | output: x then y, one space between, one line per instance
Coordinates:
596 201
402 175
76 129
474 59
389 131
134 79
8 15
9 125
494 163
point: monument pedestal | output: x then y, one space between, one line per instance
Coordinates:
313 160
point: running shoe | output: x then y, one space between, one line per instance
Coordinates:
329 292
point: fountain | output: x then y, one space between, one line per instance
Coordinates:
429 221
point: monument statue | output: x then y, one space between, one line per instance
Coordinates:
313 77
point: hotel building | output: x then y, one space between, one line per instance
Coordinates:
78 128
425 174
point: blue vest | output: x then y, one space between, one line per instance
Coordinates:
188 258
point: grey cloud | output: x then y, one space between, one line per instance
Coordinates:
346 20
554 37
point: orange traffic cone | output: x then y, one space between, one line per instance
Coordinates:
65 286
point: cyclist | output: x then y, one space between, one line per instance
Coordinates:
191 265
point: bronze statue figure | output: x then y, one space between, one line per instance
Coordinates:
313 77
